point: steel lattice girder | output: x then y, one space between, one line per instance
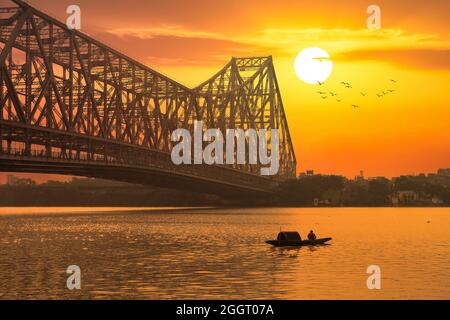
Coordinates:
63 80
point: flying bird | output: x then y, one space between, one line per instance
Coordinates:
355 106
392 80
391 91
363 94
321 92
323 97
379 95
338 100
320 83
348 86
321 59
333 94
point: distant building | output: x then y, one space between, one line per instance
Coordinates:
360 177
407 197
395 201
444 172
308 173
319 202
376 178
410 197
436 200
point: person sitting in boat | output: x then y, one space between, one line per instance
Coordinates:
312 235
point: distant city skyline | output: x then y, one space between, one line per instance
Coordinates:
42 178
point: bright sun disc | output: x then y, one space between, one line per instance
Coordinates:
313 65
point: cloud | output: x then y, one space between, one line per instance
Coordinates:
410 50
176 45
437 59
341 40
163 30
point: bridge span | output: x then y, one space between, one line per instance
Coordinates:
72 105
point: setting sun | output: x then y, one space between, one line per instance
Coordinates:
313 65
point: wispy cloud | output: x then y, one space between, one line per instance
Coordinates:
437 59
288 40
178 45
412 50
163 30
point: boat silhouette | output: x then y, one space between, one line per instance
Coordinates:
293 239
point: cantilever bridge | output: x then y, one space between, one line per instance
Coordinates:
72 105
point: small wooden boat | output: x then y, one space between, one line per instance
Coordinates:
293 239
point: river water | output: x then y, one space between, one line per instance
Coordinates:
210 253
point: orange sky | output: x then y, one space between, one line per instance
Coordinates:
403 133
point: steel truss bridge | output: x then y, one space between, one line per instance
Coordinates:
72 105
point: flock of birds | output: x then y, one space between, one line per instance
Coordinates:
325 95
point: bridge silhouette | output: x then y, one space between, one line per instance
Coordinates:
74 106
